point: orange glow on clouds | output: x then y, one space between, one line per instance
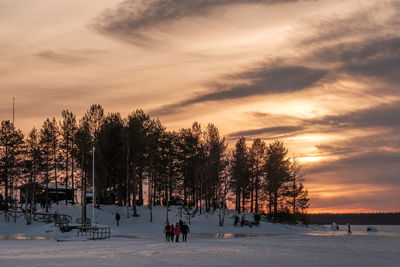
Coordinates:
320 75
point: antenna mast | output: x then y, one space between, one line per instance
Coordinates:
13 109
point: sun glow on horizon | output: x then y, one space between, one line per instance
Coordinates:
321 76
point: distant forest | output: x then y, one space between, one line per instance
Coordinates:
190 167
390 218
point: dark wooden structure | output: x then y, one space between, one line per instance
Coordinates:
40 191
102 197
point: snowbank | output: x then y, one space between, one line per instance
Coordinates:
371 229
334 227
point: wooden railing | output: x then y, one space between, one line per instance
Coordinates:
94 232
62 219
83 222
43 217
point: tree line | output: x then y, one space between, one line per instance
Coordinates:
380 218
191 167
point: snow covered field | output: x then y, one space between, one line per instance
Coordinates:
140 243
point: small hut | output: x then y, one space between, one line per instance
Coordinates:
40 191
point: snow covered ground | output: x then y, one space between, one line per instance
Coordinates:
140 243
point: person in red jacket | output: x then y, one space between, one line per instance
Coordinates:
177 232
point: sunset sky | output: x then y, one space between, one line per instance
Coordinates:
323 76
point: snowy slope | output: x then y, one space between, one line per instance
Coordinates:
206 223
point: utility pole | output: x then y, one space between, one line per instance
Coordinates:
13 109
127 178
13 184
93 196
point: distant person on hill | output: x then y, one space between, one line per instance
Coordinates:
167 229
236 220
242 220
185 230
257 219
177 232
180 224
117 218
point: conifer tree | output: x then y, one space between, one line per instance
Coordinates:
257 162
68 128
49 147
11 152
33 166
240 173
277 173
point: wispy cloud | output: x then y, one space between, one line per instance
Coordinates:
263 80
363 58
379 167
61 58
287 130
378 59
381 116
130 18
369 19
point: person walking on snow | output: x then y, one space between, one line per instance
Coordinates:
243 219
171 232
185 230
348 232
177 232
117 218
167 231
236 219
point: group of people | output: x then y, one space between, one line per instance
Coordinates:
172 231
243 220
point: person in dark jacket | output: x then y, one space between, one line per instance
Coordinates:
167 231
171 232
348 229
236 220
185 231
177 232
117 218
257 219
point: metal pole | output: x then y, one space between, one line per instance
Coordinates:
93 198
13 109
13 184
127 179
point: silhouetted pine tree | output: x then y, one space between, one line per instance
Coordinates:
68 128
240 173
11 152
33 159
257 163
49 147
84 143
277 173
